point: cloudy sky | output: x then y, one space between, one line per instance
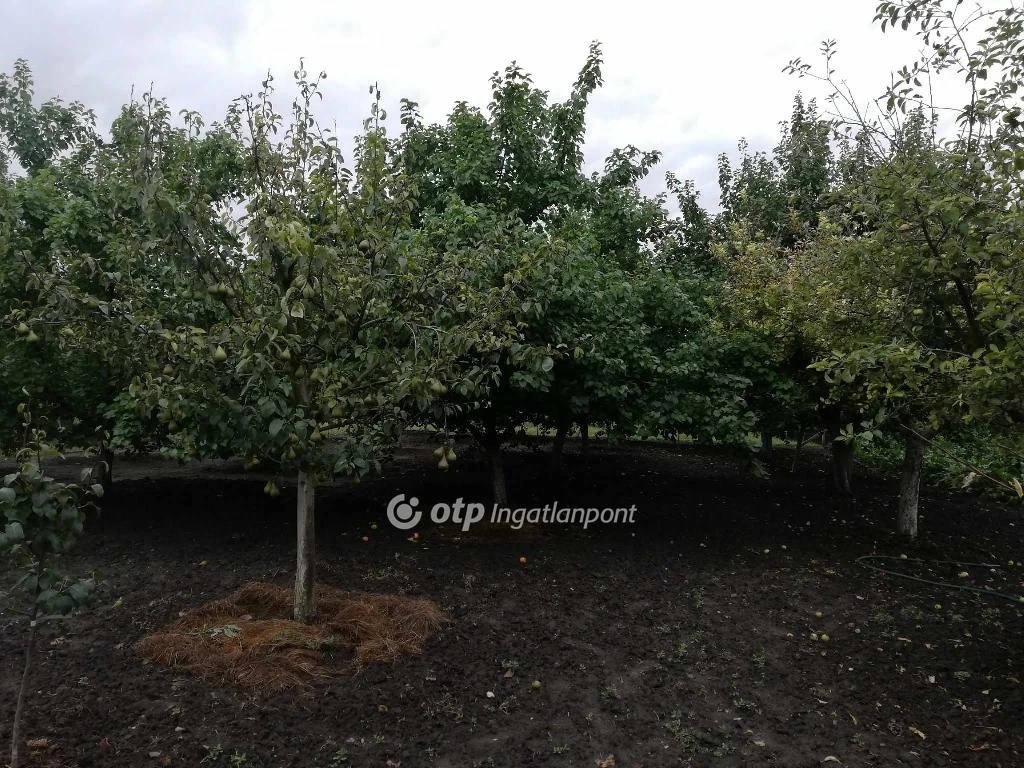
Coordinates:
687 78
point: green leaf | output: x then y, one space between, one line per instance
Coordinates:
14 533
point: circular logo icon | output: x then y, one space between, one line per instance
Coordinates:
404 514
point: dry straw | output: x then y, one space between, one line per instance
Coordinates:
250 639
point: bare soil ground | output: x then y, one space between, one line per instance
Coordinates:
684 639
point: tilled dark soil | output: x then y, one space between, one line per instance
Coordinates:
696 636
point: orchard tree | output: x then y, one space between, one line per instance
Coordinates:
690 385
338 320
687 248
287 310
86 253
497 184
32 137
504 369
588 260
45 203
780 195
759 312
522 158
943 214
771 204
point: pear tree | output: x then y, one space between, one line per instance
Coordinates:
286 309
937 214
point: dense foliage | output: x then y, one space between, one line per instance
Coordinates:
238 289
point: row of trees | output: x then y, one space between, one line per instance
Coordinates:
891 252
237 289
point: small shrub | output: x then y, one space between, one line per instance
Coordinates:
41 520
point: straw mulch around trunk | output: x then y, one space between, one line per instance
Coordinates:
249 637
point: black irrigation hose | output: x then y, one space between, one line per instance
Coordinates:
863 561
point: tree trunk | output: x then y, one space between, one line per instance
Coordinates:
305 566
584 441
910 486
19 708
558 447
842 466
796 453
498 475
492 442
766 444
103 469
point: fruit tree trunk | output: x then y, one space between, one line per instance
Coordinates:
910 486
305 565
842 466
19 708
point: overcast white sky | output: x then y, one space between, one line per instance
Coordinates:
687 78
